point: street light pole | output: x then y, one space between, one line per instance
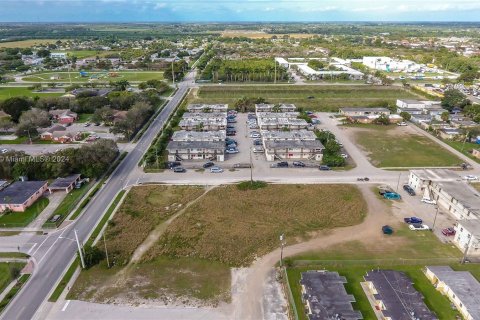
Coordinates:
106 251
80 252
251 167
435 219
398 183
282 244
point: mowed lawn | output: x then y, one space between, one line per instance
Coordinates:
133 76
226 227
393 146
314 97
404 251
22 219
6 93
5 275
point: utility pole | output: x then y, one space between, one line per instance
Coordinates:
464 141
80 252
282 244
173 74
251 167
435 219
106 251
275 62
398 183
464 258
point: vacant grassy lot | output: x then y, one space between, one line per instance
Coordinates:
6 93
325 97
234 227
476 186
132 76
393 146
405 251
26 43
22 219
465 148
225 227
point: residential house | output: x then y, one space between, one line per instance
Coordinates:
476 153
63 116
325 297
392 294
461 288
449 133
467 236
20 195
403 104
48 133
64 184
293 149
58 55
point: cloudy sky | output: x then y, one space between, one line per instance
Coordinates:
237 10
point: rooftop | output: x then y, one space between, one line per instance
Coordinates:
20 191
183 145
288 135
327 297
200 107
278 115
463 284
464 193
282 121
183 135
436 175
365 110
62 183
202 116
294 144
396 291
410 101
472 226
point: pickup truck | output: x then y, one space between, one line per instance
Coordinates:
413 220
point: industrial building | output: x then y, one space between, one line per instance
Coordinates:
325 296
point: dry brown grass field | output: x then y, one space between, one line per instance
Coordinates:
26 43
235 227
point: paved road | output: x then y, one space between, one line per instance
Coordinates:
57 250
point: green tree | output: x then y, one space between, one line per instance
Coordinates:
405 115
92 256
454 98
121 85
15 106
468 76
445 116
30 121
383 120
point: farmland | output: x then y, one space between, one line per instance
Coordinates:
314 97
208 237
387 146
94 76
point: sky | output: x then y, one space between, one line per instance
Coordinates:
237 10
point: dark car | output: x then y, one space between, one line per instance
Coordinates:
413 220
298 164
383 191
448 232
173 164
231 133
179 170
409 189
257 142
387 229
208 164
283 164
324 168
230 140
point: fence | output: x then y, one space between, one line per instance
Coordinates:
291 300
382 262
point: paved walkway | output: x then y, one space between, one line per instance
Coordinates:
55 199
7 289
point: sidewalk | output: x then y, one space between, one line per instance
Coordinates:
7 289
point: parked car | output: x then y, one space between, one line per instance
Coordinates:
448 232
242 165
413 220
298 164
383 191
418 227
258 149
470 177
344 155
402 124
55 218
392 196
229 140
231 120
4 151
216 170
208 164
387 229
231 150
173 164
426 200
282 164
409 189
254 135
179 170
231 133
257 142
324 168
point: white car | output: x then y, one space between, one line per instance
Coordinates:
344 155
418 227
4 151
426 200
254 135
470 177
216 170
402 124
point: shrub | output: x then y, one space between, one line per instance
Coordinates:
251 185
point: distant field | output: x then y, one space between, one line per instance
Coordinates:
261 35
26 43
6 93
392 146
314 97
95 76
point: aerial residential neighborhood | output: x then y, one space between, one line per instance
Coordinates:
255 160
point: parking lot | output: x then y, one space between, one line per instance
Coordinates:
100 131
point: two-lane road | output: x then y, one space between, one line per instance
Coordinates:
58 249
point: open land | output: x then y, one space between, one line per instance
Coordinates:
97 76
26 43
326 98
11 92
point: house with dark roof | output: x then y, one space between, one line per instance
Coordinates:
64 184
21 194
391 293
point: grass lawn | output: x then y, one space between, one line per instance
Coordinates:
84 117
404 251
69 202
19 140
476 186
6 93
5 277
326 97
22 219
226 227
392 146
464 148
63 76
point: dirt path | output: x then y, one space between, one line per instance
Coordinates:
249 304
160 229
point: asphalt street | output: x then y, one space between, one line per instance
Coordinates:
58 249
